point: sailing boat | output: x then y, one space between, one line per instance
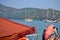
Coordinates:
26 16
52 19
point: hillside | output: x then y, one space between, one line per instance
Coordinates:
13 13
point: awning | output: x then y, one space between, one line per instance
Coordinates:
8 28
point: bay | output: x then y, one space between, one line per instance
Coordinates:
40 25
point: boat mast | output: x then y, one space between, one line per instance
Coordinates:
47 14
26 13
53 14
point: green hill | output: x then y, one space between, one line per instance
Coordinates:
35 13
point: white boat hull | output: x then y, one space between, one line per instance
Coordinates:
28 19
51 20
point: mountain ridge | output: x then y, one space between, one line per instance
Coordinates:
36 13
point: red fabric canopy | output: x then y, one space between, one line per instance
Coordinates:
8 27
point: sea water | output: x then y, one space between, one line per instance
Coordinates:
40 25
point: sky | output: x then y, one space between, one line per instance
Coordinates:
43 4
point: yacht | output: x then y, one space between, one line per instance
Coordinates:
53 19
27 18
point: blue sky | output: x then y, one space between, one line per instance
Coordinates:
55 4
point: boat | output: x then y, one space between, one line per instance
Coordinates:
27 18
53 19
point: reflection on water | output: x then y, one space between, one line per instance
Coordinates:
41 25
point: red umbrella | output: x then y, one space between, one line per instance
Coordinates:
8 28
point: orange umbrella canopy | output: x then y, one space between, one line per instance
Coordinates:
8 27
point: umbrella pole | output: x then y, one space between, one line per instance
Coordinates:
36 33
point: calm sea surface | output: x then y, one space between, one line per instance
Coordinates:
40 25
